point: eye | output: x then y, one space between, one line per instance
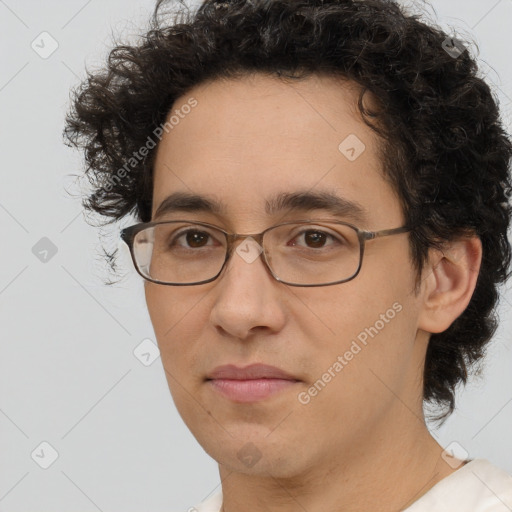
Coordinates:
315 238
193 238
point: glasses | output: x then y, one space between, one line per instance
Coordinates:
297 253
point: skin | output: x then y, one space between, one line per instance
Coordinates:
361 443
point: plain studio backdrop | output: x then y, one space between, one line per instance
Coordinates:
75 393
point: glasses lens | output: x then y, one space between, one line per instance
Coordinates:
179 252
297 253
313 254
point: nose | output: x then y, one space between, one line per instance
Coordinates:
247 295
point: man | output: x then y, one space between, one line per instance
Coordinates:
364 165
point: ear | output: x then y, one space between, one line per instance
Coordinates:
448 283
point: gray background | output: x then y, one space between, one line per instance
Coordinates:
68 374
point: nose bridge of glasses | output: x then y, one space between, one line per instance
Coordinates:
247 253
233 237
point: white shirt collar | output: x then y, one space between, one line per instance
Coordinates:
478 486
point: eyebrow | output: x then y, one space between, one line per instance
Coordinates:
299 201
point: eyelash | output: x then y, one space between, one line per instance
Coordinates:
311 229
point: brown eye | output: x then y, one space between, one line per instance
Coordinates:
314 239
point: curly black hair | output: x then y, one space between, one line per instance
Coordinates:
444 148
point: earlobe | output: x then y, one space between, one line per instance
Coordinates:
449 283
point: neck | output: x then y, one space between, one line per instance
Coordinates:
386 472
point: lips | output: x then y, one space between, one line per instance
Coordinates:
253 383
251 372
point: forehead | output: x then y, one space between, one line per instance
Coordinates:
247 140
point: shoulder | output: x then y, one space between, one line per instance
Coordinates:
478 486
211 504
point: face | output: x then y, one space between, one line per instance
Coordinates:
352 348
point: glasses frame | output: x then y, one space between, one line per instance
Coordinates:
128 235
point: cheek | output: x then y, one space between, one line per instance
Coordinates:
360 369
162 307
174 315
362 339
176 324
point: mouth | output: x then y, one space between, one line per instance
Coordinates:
250 384
250 390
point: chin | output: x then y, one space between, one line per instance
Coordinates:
253 450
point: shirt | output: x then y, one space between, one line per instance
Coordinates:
477 486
